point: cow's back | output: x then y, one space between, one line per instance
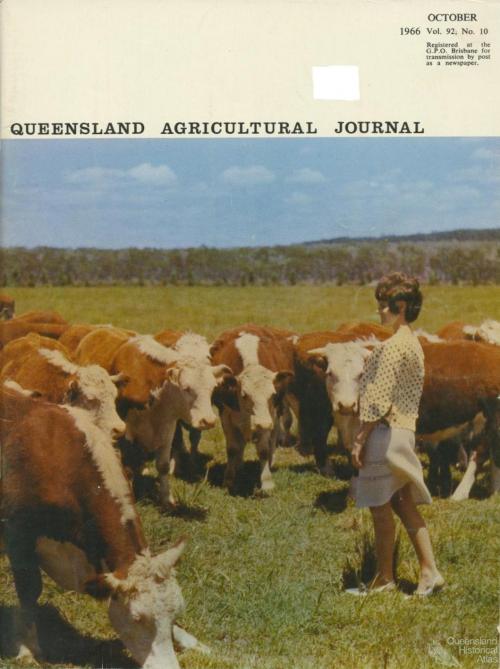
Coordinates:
41 317
452 331
361 329
100 346
458 374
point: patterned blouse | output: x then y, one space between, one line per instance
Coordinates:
392 381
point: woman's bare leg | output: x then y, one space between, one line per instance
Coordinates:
383 522
403 504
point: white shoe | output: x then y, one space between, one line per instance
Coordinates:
436 585
365 590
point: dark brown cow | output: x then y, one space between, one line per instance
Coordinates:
250 402
7 306
68 510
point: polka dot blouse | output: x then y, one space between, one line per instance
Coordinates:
392 381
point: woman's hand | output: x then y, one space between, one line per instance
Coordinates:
357 453
358 447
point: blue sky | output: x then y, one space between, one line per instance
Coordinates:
179 193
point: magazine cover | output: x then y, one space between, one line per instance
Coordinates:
250 334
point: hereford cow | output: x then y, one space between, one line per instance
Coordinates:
487 333
42 365
68 510
460 378
326 365
164 385
250 403
7 306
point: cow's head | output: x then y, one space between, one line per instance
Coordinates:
260 394
90 388
190 384
144 605
343 365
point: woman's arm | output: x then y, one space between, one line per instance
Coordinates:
358 446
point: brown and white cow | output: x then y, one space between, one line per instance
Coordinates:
461 377
164 385
42 365
250 403
68 510
7 306
327 364
487 333
76 332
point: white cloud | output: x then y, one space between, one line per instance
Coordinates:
145 173
306 175
297 198
253 175
485 154
93 175
160 175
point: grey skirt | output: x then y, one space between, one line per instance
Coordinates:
390 462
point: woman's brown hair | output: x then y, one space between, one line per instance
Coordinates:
398 286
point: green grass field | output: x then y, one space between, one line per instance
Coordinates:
263 578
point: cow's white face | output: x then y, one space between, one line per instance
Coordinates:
144 606
190 385
345 363
96 391
257 391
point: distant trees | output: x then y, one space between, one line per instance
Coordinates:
444 261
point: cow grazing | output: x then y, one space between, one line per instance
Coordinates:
7 306
250 403
68 510
40 364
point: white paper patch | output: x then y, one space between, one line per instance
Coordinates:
336 82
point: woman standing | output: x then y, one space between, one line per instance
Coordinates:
390 474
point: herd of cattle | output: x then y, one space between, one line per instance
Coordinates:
83 407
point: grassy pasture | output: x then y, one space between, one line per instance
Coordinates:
263 578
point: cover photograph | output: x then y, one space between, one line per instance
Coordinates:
249 334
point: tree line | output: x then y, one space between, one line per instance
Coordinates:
434 261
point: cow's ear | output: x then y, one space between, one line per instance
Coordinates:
226 392
283 380
318 362
73 392
120 380
98 587
172 375
220 371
